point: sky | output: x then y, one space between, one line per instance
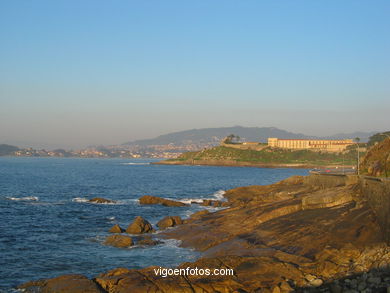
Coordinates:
77 73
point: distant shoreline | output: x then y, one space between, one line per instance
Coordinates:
248 164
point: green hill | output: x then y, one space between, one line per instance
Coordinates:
223 155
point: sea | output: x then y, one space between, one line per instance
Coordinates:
48 227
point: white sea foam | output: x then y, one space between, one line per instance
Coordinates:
86 200
80 199
171 242
218 195
26 198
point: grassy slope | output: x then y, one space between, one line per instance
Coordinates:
269 156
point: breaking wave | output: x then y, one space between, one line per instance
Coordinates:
218 195
26 198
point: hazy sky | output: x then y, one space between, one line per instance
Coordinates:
75 73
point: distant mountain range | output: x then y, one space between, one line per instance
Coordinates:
215 135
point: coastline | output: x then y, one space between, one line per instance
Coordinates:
302 232
227 163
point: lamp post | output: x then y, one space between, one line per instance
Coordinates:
384 134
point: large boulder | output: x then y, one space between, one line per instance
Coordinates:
169 221
139 226
116 229
149 199
101 200
119 241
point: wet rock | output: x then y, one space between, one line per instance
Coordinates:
101 200
210 202
120 241
139 226
149 199
148 241
169 222
116 229
63 284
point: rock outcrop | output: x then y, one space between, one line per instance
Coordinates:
120 241
290 236
148 241
377 160
149 199
116 229
212 203
101 200
169 221
139 226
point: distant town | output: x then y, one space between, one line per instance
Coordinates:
152 151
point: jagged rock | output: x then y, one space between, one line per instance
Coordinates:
169 221
148 241
116 229
101 200
120 241
149 199
139 226
62 284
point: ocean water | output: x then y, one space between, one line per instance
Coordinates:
47 227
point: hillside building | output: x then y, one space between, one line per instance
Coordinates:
311 144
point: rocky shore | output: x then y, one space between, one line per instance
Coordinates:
303 234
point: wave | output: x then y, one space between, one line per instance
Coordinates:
117 202
218 195
80 199
171 242
135 163
26 198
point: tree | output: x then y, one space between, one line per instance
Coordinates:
378 137
231 138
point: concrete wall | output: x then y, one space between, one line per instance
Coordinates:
373 189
